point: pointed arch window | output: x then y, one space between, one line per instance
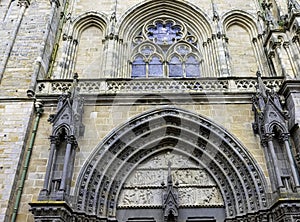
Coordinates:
138 67
192 66
165 48
155 67
184 61
175 67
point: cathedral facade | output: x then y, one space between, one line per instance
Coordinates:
150 111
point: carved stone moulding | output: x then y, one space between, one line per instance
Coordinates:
260 216
98 87
51 211
188 197
175 131
61 211
285 209
195 187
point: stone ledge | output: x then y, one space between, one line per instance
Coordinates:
211 90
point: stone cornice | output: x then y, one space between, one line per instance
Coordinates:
290 86
270 34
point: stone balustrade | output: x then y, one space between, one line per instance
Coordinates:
148 86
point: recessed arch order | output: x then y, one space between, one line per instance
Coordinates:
236 173
187 13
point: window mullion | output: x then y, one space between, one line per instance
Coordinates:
183 68
147 69
165 68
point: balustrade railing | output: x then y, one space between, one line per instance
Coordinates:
112 86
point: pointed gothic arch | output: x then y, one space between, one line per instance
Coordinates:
88 19
77 43
189 60
128 27
249 38
146 11
242 18
235 172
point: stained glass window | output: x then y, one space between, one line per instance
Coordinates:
164 33
165 48
138 67
155 67
175 67
192 68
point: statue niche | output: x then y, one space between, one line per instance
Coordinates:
67 127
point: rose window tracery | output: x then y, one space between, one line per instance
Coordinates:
164 32
165 48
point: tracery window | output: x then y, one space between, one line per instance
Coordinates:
165 48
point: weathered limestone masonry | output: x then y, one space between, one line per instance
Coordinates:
149 110
27 40
102 119
15 125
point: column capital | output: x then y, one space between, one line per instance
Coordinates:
71 140
54 140
56 2
284 137
286 44
24 3
276 44
295 38
271 54
267 137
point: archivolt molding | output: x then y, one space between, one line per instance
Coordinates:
150 9
89 19
237 175
72 37
242 19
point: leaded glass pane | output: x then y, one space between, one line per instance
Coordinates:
192 67
155 67
138 67
175 67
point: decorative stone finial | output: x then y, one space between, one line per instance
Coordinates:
170 198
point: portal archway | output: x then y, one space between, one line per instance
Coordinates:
234 172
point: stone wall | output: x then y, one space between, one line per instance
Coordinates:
22 43
15 121
115 55
101 120
90 40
